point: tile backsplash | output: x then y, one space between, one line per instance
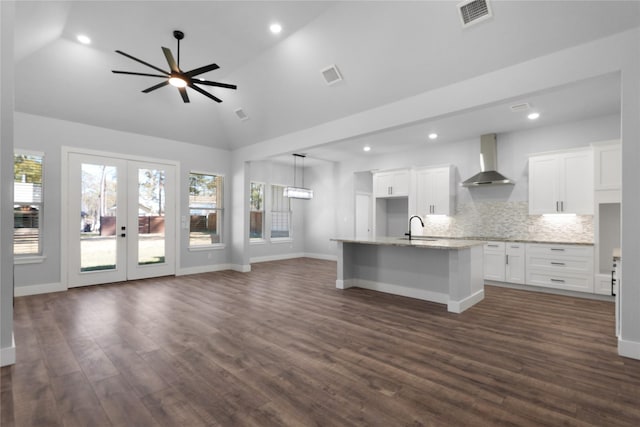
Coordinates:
510 220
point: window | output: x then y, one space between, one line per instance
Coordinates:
27 203
256 211
280 213
205 209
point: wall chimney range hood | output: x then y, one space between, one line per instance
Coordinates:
488 164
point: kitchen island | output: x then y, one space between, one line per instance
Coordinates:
445 271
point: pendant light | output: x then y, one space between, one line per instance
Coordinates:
294 192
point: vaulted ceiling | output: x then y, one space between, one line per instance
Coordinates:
385 50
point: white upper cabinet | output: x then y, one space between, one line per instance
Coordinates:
393 183
607 159
435 191
561 183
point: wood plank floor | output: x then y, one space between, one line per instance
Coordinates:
280 346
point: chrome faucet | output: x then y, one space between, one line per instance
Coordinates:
410 219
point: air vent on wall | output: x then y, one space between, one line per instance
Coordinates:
241 114
474 11
331 75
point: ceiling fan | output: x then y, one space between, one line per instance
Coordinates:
177 77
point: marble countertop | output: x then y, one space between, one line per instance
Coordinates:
418 242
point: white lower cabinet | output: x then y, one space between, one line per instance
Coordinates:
494 261
515 259
568 267
504 262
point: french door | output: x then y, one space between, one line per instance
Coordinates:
121 219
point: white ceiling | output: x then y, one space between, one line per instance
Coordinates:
386 51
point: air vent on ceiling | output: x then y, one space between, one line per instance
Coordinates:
474 11
516 108
331 74
241 114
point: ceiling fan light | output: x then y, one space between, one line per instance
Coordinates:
177 82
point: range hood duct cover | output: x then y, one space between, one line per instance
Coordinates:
488 165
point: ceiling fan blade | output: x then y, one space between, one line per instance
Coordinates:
204 92
158 86
141 61
170 60
138 74
200 70
183 93
217 84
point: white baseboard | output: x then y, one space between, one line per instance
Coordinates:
326 257
44 288
404 291
629 349
278 257
240 268
8 354
468 302
203 269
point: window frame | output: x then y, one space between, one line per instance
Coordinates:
257 240
32 257
288 238
219 210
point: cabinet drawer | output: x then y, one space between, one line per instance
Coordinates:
580 283
579 265
494 246
559 250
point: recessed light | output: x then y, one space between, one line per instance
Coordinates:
433 136
275 28
533 116
366 148
84 39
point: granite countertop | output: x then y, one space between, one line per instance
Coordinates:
418 242
506 239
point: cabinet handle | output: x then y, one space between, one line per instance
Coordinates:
561 206
557 280
493 246
558 249
507 259
613 282
557 263
557 206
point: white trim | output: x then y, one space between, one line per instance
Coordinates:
465 303
275 257
326 257
29 259
8 354
65 151
404 291
279 240
629 349
203 269
202 248
257 241
43 288
240 268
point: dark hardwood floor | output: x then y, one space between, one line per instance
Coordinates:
281 346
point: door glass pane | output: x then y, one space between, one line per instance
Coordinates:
151 214
98 217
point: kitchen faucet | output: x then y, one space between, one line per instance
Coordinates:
421 222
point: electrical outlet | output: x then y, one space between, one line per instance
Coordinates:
532 229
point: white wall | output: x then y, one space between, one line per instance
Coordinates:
50 135
7 349
320 212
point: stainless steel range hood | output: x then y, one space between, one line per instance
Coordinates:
488 174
